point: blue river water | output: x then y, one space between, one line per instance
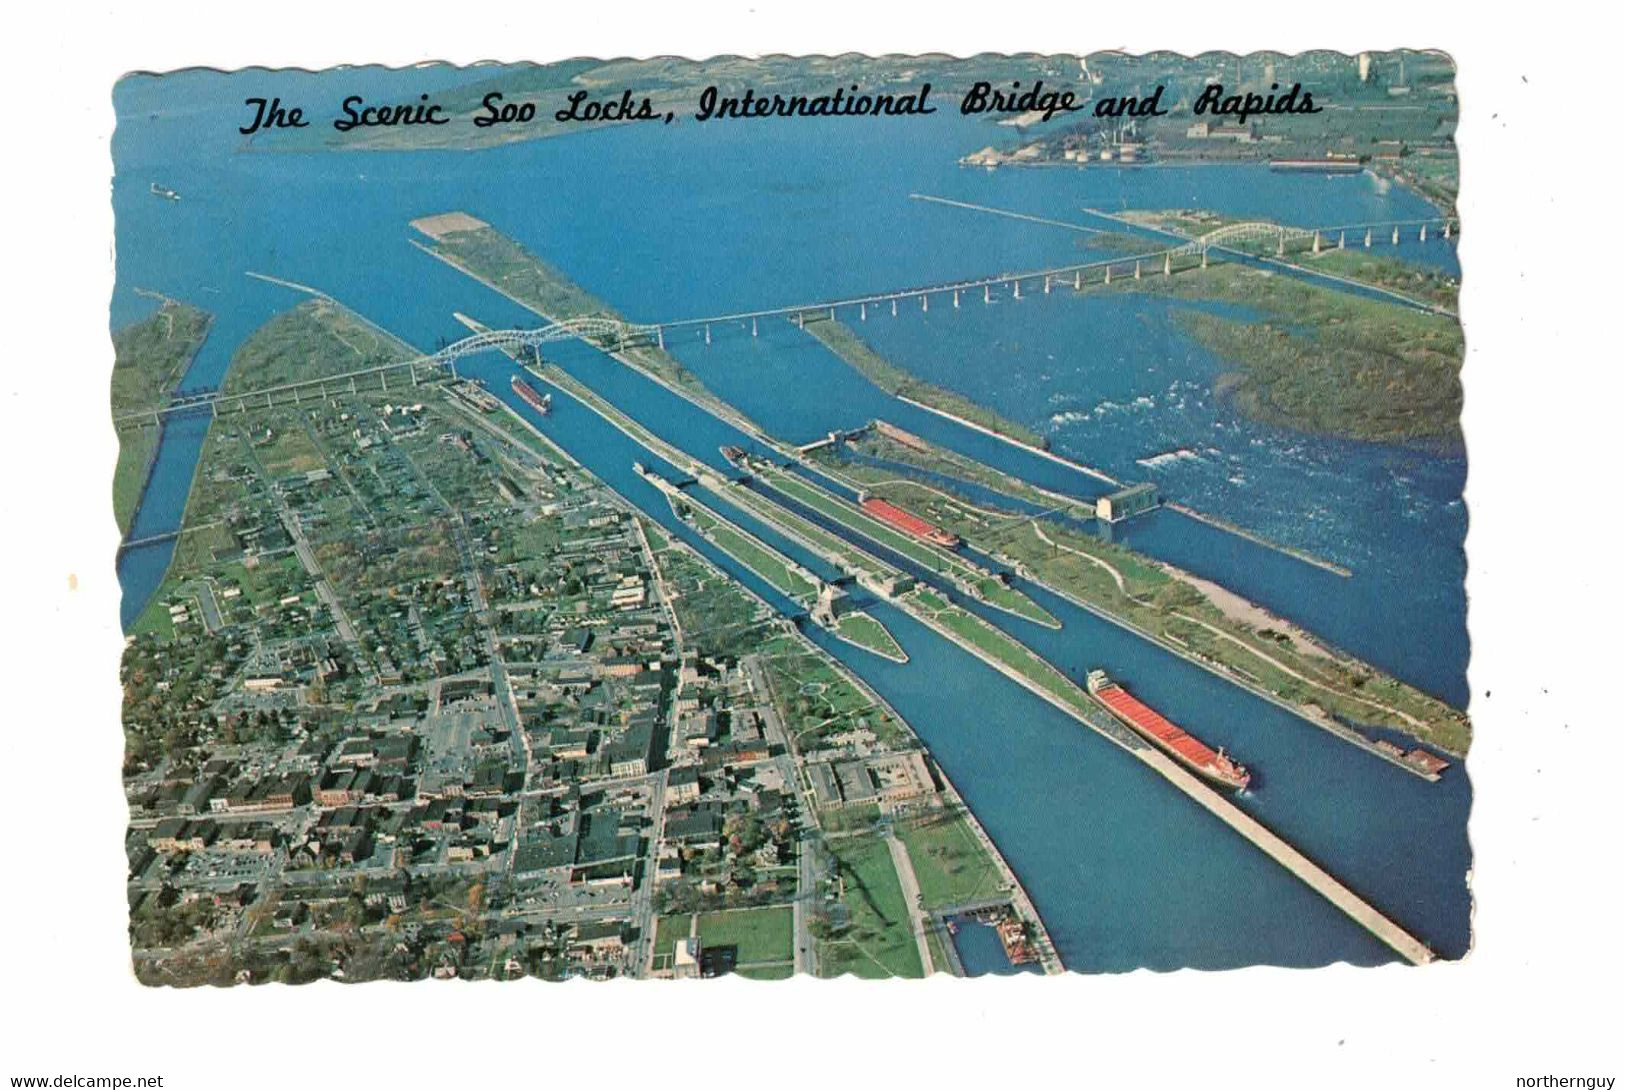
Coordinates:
689 220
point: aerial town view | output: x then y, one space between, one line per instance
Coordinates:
837 515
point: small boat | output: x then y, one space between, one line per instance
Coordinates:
164 192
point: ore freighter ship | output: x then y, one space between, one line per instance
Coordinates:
909 523
1171 739
542 403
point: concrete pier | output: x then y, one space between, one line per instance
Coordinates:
1401 941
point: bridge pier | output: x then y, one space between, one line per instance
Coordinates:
956 300
1447 230
1108 274
660 338
1314 247
753 327
1340 240
987 293
1167 264
1422 235
1136 270
1046 285
800 322
1077 280
352 388
863 312
1396 236
1368 238
894 306
708 329
1018 289
1204 257
832 314
1280 245
925 304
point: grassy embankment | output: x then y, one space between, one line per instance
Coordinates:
1389 273
943 462
150 358
840 339
1326 361
996 644
787 578
1275 658
485 253
947 564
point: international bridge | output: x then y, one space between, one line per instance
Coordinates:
1254 241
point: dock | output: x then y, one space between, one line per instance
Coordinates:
1351 904
1301 866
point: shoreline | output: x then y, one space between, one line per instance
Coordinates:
1251 829
1331 725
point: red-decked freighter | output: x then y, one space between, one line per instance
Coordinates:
1166 736
892 515
542 403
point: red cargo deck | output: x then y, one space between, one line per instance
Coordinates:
1186 748
893 515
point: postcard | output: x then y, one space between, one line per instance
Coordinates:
884 516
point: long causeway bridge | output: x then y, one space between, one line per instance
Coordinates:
1247 241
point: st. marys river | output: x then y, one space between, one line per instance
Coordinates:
676 221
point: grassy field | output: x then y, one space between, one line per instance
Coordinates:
1383 271
668 930
949 862
488 254
880 941
318 337
841 340
761 934
944 463
866 632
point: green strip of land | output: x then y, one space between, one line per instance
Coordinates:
868 633
762 935
771 566
1322 360
150 358
879 939
840 339
949 565
949 862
